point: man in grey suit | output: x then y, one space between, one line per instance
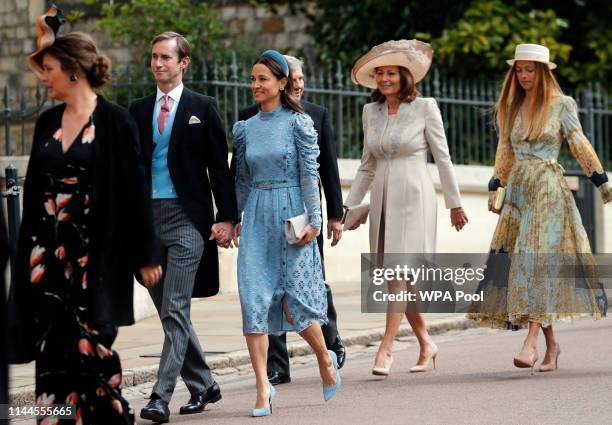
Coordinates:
185 151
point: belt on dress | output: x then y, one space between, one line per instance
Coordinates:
274 184
552 162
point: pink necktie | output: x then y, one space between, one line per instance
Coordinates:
162 117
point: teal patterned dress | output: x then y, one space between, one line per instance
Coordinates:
276 179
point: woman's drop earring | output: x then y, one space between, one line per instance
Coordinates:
73 77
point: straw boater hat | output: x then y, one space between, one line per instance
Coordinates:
532 52
413 54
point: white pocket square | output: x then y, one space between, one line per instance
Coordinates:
194 120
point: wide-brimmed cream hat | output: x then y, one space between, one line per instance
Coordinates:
415 55
532 52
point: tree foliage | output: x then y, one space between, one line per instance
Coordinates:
486 36
471 38
345 29
135 22
590 35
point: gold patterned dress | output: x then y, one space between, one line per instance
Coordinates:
540 266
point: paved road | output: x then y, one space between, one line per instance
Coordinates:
475 383
218 323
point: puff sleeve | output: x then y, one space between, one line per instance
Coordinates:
308 151
243 176
582 149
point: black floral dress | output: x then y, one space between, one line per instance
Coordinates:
74 362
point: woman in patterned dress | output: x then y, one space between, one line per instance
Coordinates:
280 284
85 208
539 227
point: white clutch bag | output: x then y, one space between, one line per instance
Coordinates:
294 227
355 215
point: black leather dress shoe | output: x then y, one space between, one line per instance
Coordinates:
156 410
340 351
197 403
277 378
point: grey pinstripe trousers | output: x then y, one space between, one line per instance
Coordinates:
182 353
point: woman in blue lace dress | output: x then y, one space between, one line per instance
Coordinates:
280 284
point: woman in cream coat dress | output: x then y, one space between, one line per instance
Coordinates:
399 129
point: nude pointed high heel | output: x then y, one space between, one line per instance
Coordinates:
545 368
423 367
518 362
383 371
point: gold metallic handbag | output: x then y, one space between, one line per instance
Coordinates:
498 203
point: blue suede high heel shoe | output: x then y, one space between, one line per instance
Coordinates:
329 392
265 411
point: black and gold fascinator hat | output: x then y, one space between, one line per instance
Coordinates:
47 26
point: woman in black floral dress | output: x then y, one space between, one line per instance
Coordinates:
86 228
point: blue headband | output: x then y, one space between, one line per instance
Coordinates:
273 54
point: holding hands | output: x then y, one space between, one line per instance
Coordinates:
237 230
222 233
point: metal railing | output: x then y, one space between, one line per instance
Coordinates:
11 194
466 107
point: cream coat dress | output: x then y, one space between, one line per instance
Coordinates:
403 203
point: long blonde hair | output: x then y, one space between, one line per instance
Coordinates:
511 98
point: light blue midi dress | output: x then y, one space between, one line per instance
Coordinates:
276 179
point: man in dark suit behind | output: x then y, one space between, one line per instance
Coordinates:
278 357
185 151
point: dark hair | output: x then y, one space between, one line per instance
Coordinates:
287 99
182 45
78 51
408 91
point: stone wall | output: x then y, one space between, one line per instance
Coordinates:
263 29
258 28
17 36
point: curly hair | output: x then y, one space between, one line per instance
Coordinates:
77 51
